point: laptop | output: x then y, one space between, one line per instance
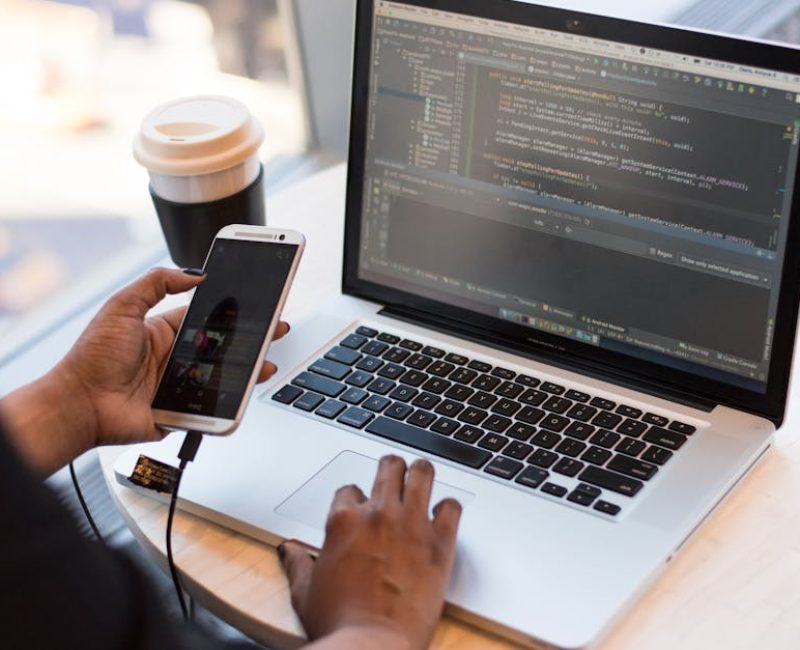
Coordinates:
570 281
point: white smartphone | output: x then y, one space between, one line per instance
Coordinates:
219 350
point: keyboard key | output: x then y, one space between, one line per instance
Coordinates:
287 394
369 364
354 396
343 355
504 373
360 379
611 481
555 423
632 428
571 448
331 409
457 359
577 396
669 439
441 368
631 447
680 427
355 417
581 498
463 375
543 458
518 450
589 489
418 361
391 371
597 456
426 401
658 420
554 490
606 420
486 383
381 386
520 431
375 348
582 412
568 467
527 380
533 397
399 411
459 393
429 442
480 366
422 419
579 430
506 407
482 400
414 378
545 439
469 434
391 339
404 393
555 389
503 467
354 341
449 408
319 384
493 442
605 404
532 477
445 426
632 467
557 405
507 389
331 369
436 353
396 355
367 331
607 508
376 403
472 415
530 415
656 455
496 423
436 385
605 439
411 345
308 402
629 411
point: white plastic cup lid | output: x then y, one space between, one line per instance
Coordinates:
197 135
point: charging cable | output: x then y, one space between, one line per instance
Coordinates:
84 505
187 453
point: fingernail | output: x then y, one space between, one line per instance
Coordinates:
196 272
282 553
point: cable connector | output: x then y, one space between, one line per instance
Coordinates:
191 443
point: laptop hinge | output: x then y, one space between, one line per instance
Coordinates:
513 346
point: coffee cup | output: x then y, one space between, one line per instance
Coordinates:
201 154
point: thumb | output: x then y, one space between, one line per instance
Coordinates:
146 292
299 566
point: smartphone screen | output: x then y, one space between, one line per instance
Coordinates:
223 332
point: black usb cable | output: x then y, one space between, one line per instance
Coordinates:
187 453
84 505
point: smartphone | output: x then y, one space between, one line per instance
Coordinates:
219 350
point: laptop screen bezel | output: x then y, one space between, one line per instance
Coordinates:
619 367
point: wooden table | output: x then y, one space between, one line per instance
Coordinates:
735 586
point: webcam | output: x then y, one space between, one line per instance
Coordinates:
282 237
575 25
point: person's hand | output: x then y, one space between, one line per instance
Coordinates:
384 567
115 366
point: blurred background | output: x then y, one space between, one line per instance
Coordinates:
77 76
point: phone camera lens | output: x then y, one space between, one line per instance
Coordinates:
282 237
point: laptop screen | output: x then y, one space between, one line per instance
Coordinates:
630 199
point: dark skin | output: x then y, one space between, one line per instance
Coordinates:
383 571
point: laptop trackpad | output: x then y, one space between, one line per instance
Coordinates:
310 503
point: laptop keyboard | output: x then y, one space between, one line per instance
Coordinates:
588 450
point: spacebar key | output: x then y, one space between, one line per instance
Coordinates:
431 442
